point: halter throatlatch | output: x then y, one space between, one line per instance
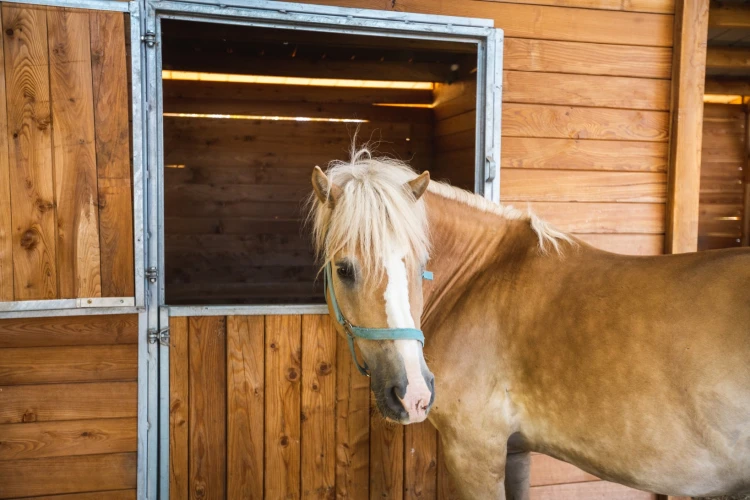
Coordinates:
367 333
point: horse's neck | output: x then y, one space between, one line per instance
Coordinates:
466 242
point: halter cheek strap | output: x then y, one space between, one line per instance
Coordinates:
353 332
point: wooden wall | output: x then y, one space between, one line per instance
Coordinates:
455 140
234 207
68 406
65 188
272 407
723 172
586 111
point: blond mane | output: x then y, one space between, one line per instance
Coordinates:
375 213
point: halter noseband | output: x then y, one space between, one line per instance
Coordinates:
367 333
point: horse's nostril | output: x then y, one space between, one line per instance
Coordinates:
393 396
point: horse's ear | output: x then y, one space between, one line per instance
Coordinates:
419 185
320 185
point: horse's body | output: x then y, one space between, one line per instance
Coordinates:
636 369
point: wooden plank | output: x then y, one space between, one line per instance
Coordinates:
283 374
611 218
49 402
386 457
420 461
523 54
688 75
575 154
74 154
531 120
729 16
111 114
109 495
547 470
245 406
628 244
6 231
30 149
42 365
179 411
207 407
446 489
585 90
352 427
554 23
567 185
725 58
86 473
596 489
727 86
186 90
69 331
660 6
76 437
318 437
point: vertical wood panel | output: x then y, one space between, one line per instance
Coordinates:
111 112
30 152
6 239
688 77
283 373
420 462
245 399
446 489
207 350
74 155
178 408
318 407
386 458
352 427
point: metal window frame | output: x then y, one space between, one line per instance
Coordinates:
271 14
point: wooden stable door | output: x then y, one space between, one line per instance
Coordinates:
272 407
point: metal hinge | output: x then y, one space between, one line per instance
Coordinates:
152 274
161 336
149 39
491 169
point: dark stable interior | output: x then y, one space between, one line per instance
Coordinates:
238 156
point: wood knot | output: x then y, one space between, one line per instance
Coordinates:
200 490
43 206
28 416
30 239
302 417
274 346
291 374
85 434
284 441
315 387
324 368
9 32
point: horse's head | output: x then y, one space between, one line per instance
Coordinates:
370 228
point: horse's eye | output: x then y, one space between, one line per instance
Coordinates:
345 272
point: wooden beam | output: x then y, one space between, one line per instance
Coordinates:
728 86
728 57
746 204
729 15
686 134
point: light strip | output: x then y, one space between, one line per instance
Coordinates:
269 118
289 80
403 105
722 99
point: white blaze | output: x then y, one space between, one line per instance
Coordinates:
398 312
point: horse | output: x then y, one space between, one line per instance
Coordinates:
634 368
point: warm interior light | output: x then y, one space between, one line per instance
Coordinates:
175 166
289 80
722 99
261 117
403 105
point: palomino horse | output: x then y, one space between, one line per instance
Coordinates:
635 369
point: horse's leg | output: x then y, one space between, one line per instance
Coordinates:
478 471
517 468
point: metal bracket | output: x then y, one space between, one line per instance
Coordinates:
149 39
161 336
152 274
491 169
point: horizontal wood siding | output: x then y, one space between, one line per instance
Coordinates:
723 177
300 423
68 406
65 181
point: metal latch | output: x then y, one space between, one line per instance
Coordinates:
152 274
491 168
149 39
161 336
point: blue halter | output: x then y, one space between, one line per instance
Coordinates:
367 333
